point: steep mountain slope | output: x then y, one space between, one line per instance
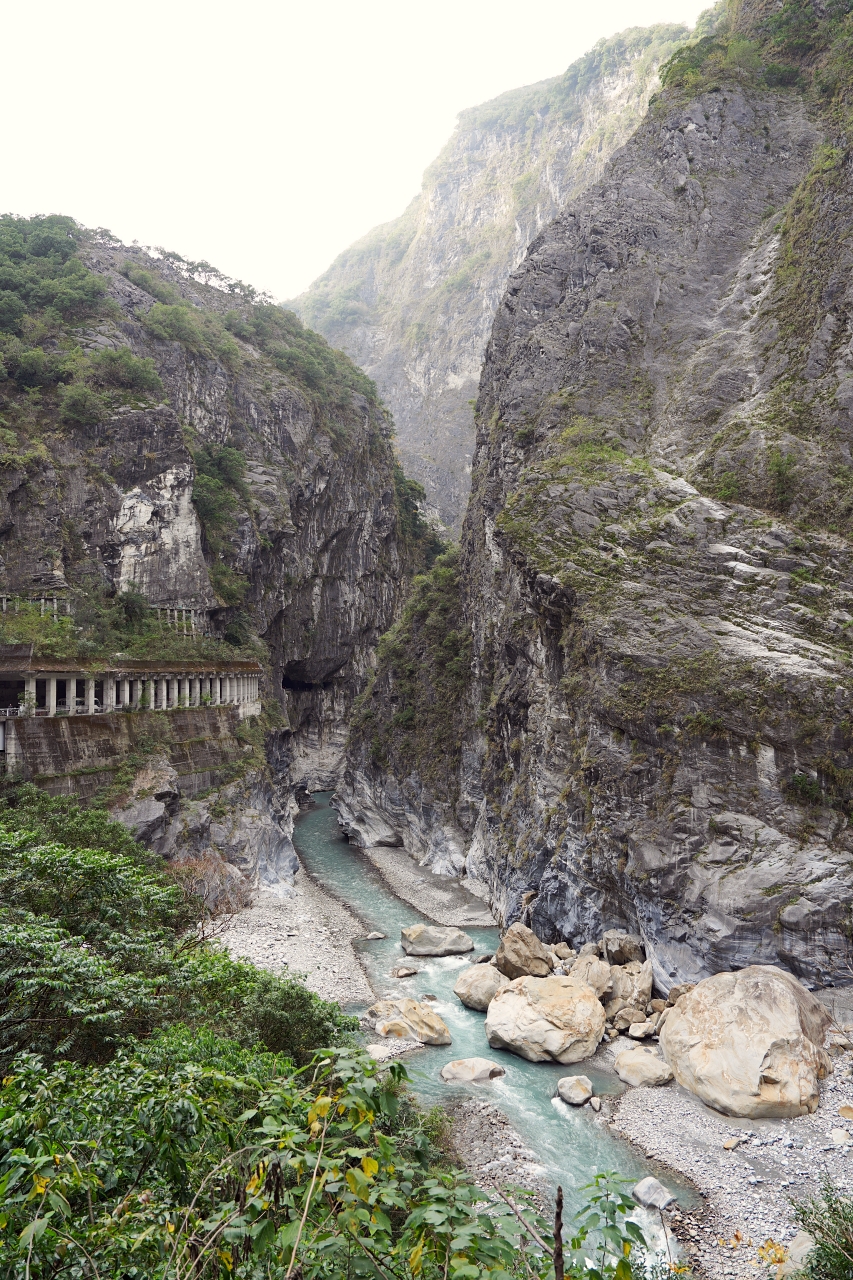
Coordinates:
413 302
169 441
656 581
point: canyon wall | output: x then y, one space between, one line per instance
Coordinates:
653 605
117 407
413 301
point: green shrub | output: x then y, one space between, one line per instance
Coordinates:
829 1221
153 284
81 407
123 369
179 323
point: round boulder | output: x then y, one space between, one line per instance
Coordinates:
546 1019
749 1043
470 1071
576 1090
435 940
521 954
639 1068
476 987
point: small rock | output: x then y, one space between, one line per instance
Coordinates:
470 1071
731 1143
846 1112
589 949
798 1250
840 1137
640 1030
477 986
484 959
651 1194
627 1017
595 1103
376 937
594 972
406 1019
682 989
563 951
403 972
575 1090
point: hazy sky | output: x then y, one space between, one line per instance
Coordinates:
264 137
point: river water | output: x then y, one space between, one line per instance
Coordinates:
568 1142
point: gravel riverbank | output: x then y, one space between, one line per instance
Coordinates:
443 900
746 1192
311 933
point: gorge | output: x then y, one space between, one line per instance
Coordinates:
612 726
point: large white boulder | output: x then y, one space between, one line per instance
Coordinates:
471 1071
521 953
556 1019
408 1020
749 1043
641 1069
476 987
435 940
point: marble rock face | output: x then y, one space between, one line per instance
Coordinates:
546 1019
749 1043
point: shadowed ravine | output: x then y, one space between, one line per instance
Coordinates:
569 1144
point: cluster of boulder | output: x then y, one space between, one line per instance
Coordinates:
749 1043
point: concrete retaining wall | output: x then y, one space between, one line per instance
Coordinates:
78 755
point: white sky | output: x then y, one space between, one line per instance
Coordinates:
264 137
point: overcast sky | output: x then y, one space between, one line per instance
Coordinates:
264 137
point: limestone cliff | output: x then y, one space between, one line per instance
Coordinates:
656 577
171 441
413 302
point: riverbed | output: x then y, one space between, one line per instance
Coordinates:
561 1144
513 1131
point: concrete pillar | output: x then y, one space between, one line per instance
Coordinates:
51 695
124 692
109 693
214 691
31 694
195 696
90 697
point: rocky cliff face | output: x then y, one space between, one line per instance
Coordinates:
656 568
166 435
413 302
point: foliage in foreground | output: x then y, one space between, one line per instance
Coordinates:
167 1112
829 1221
192 1157
98 943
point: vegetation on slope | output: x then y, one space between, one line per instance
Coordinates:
167 1112
424 661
